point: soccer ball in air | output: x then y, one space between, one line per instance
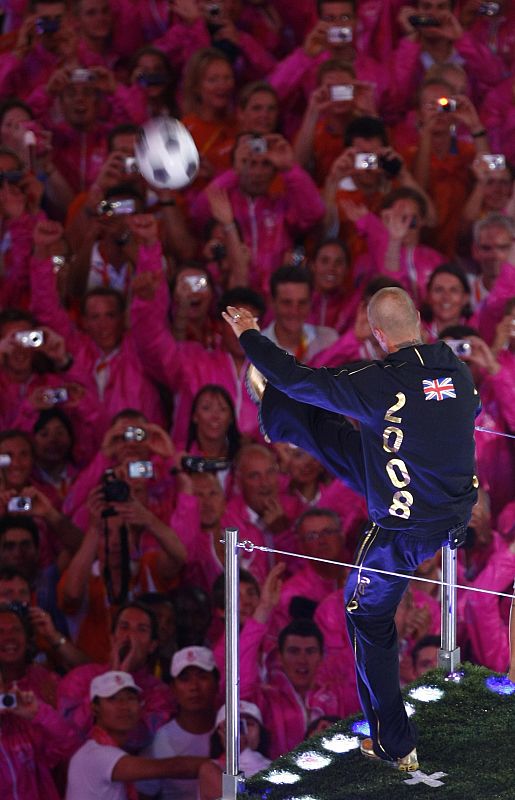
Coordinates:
166 154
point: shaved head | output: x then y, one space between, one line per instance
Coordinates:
392 313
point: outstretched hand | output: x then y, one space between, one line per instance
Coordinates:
240 320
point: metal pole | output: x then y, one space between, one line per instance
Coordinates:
233 780
449 653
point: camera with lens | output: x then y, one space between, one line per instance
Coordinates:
197 283
141 469
8 701
390 166
489 9
152 79
130 166
258 144
460 347
19 504
115 490
423 21
495 161
115 208
338 35
342 93
5 459
56 396
134 434
201 464
366 161
29 338
447 104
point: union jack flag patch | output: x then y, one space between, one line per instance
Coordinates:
439 389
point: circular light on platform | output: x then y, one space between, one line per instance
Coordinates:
312 760
454 677
361 726
339 743
500 685
282 776
426 694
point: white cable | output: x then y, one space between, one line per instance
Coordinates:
495 433
250 546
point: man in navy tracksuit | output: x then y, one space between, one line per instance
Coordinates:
413 459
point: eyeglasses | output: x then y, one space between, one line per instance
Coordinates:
11 176
313 536
25 544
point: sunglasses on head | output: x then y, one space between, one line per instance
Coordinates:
12 176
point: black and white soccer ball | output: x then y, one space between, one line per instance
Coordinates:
166 154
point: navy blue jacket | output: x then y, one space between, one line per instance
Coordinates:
413 457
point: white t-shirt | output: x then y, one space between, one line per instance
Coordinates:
172 740
90 771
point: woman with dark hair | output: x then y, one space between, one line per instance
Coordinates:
333 303
447 300
212 430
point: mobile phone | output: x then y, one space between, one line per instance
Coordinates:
423 21
258 144
29 338
134 434
5 459
81 75
197 283
447 104
338 35
366 161
17 504
341 93
460 347
213 10
494 161
141 469
56 396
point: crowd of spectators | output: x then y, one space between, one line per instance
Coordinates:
345 145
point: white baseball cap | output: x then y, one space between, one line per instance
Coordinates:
200 657
245 708
110 683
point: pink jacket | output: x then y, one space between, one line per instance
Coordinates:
415 266
30 749
338 666
286 716
494 454
74 703
334 310
127 385
305 583
498 116
186 366
491 310
268 223
19 77
498 34
486 624
17 244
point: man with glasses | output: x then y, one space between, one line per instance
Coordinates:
494 236
319 536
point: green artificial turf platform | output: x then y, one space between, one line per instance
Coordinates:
468 734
